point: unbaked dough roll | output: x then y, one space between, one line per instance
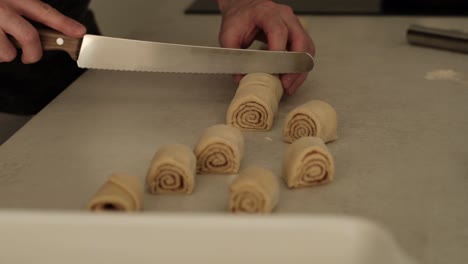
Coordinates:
307 162
220 149
172 170
255 103
314 118
120 192
255 190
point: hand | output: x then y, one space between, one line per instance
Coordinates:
247 20
13 23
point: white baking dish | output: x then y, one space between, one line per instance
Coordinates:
58 237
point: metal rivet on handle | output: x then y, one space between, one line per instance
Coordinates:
59 41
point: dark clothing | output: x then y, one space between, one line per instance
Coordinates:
27 88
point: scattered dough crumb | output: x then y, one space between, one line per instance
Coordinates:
443 74
269 139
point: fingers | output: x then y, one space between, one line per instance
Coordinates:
28 38
13 24
7 51
238 77
299 41
292 82
49 16
245 21
237 36
275 29
25 34
285 32
232 37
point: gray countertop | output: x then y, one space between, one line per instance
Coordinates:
401 157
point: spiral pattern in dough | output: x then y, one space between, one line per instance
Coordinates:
169 178
313 119
308 162
255 190
247 201
256 102
219 150
315 169
251 116
217 158
172 170
300 125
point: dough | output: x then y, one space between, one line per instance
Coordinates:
255 190
307 162
172 170
120 192
220 149
314 118
255 103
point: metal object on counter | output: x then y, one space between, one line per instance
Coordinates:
452 40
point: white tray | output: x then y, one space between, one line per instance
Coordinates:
54 237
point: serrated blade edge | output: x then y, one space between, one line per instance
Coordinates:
98 52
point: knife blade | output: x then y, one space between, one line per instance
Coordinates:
107 53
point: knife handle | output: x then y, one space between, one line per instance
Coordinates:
54 40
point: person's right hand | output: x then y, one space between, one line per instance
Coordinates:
247 20
13 23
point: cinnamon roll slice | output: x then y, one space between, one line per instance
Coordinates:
220 149
120 192
172 170
255 103
307 162
254 191
315 118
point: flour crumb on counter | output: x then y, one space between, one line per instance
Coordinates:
269 139
444 75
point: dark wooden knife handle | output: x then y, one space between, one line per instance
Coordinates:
54 40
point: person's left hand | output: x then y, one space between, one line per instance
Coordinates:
247 20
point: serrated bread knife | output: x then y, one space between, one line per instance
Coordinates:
100 52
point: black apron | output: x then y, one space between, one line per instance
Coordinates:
26 88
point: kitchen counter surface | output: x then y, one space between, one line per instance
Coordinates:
401 157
